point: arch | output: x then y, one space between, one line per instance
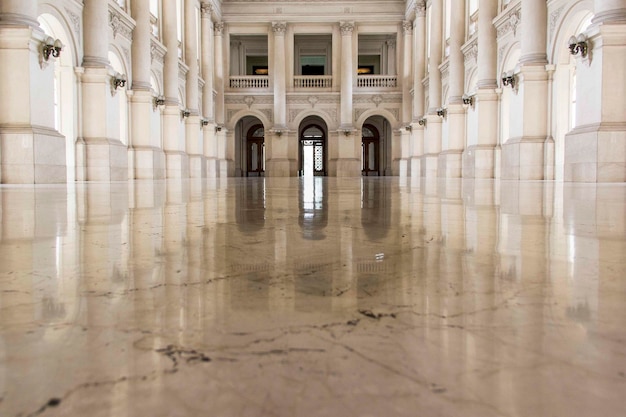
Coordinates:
62 28
313 148
567 25
230 124
313 113
156 84
121 65
384 113
508 55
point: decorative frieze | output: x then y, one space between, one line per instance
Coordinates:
157 50
380 98
75 20
218 28
312 100
279 28
420 9
244 100
407 27
554 18
120 24
346 28
510 22
470 50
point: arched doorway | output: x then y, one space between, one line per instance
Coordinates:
255 151
370 151
312 146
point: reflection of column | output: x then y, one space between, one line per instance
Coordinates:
590 149
105 158
27 124
177 164
450 160
479 160
192 123
146 158
419 55
208 107
432 139
407 83
523 158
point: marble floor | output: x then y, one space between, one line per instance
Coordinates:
313 297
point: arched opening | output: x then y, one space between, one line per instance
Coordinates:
255 151
65 91
313 153
250 152
376 150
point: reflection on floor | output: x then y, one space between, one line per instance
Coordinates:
313 297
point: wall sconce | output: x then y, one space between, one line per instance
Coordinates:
118 80
218 129
158 101
508 79
185 113
442 112
422 121
467 100
408 128
204 122
347 131
578 45
51 47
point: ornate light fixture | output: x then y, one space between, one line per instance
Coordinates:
158 101
468 100
442 112
578 45
422 121
408 128
185 113
51 47
204 122
508 79
118 80
218 128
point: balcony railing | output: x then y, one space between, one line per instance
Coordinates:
313 81
377 81
249 81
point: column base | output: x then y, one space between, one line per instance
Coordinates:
430 165
103 159
146 163
32 156
404 169
450 164
344 167
416 167
596 153
523 158
479 161
197 166
211 168
177 164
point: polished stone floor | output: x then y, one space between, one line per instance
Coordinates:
313 297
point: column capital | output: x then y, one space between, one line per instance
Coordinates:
279 28
207 10
407 27
218 27
420 9
346 28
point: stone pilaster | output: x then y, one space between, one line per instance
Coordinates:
197 163
419 63
208 106
432 134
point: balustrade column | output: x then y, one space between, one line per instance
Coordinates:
432 137
197 165
208 107
479 161
419 68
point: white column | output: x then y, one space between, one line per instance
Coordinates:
177 163
147 159
419 64
594 150
347 71
523 158
432 137
208 108
450 162
280 87
407 83
105 158
32 150
222 163
479 160
197 165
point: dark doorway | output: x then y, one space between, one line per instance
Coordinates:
370 151
312 151
255 151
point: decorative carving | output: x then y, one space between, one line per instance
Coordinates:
126 53
249 100
218 28
346 28
420 9
293 114
206 10
472 51
156 51
347 10
230 115
269 113
511 24
358 112
75 19
395 113
279 28
332 113
313 100
407 27
554 17
377 99
119 26
279 10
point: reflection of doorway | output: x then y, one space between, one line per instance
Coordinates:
255 151
370 151
312 151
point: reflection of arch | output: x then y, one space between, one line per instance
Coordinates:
313 144
250 206
53 24
375 208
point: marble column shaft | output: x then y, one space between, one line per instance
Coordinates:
192 94
280 88
419 64
207 39
347 77
432 139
